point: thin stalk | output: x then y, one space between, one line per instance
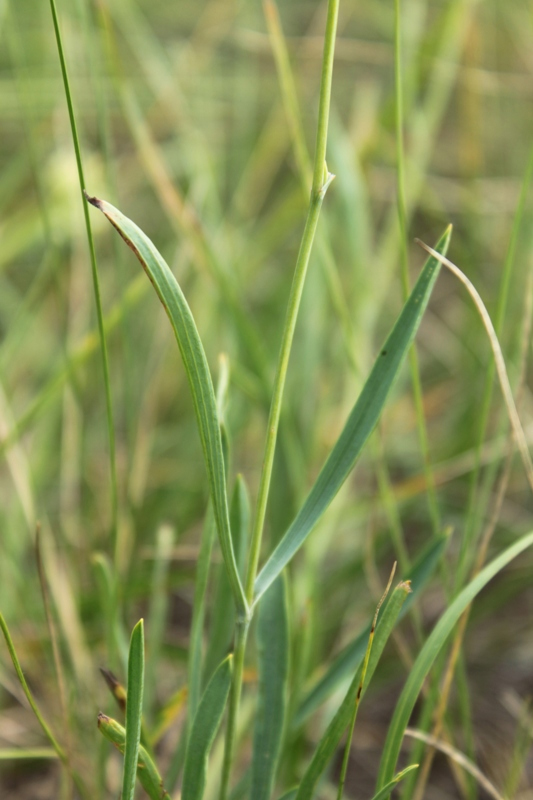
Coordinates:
474 507
321 180
96 284
402 220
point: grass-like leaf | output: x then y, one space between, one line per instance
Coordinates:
222 619
335 730
147 772
429 653
203 732
198 375
273 658
360 424
349 659
384 793
133 710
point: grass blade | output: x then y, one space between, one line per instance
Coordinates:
384 793
198 375
147 772
273 658
204 729
223 608
429 653
360 424
335 730
133 710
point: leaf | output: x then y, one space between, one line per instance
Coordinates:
203 732
198 375
429 653
360 424
273 661
147 772
203 564
335 730
133 710
223 608
352 655
384 793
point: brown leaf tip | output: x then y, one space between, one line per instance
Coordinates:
94 201
102 718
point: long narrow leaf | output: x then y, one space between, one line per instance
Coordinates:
429 652
360 424
147 772
384 793
198 375
273 659
349 659
335 730
204 729
133 710
223 607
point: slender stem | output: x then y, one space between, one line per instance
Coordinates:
321 181
96 283
402 220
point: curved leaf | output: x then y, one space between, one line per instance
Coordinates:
273 658
197 369
360 424
203 732
134 704
336 728
429 652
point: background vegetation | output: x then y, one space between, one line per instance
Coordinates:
186 126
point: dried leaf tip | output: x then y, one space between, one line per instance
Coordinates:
94 201
405 585
102 718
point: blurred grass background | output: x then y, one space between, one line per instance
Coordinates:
183 127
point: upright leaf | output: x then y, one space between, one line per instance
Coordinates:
273 657
133 710
360 424
203 732
336 728
198 375
429 652
223 607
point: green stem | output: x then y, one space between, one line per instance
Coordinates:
402 220
96 283
321 181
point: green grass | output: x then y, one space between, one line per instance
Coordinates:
243 478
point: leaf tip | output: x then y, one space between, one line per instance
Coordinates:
102 718
406 586
94 201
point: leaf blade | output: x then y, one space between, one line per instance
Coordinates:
273 661
133 710
204 729
198 375
360 423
